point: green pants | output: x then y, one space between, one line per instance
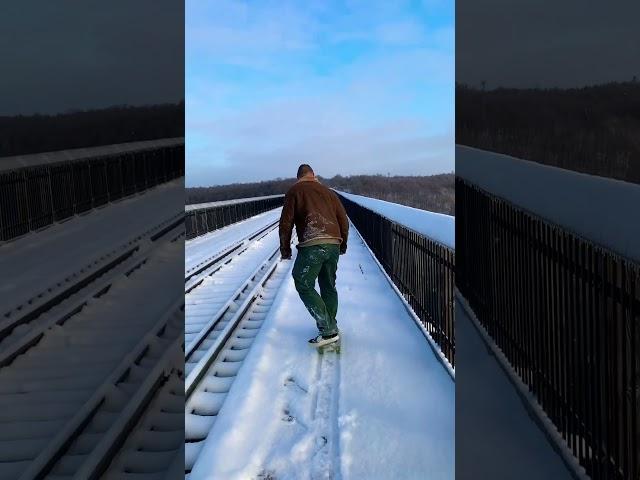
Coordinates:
321 262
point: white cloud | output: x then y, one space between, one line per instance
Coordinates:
379 112
272 141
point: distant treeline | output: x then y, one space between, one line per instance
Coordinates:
435 193
593 130
20 135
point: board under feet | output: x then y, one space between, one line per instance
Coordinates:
331 347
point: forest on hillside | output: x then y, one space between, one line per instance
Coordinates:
435 193
594 130
26 134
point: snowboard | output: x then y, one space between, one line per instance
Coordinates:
332 347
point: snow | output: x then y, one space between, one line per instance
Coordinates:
152 445
436 226
199 206
434 346
212 297
600 209
383 408
207 246
39 260
496 435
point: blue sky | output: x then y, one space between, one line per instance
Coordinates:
350 87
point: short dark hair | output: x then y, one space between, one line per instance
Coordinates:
304 169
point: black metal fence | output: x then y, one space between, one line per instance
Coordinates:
422 269
36 196
202 220
566 313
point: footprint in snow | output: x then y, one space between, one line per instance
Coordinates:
292 382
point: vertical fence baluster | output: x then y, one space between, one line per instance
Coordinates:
36 196
207 219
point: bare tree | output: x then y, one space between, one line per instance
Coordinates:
435 193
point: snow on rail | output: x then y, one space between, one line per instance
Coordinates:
42 260
436 226
211 298
600 209
206 246
199 206
151 447
383 408
58 379
209 381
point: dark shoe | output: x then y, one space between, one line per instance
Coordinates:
319 340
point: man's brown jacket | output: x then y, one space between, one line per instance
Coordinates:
317 213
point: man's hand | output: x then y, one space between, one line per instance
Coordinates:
343 249
286 226
285 255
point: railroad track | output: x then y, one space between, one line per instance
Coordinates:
194 275
88 442
221 287
75 385
24 326
203 249
214 356
155 446
36 302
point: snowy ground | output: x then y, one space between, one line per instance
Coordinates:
39 260
207 246
382 409
496 437
437 226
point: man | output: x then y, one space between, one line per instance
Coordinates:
322 228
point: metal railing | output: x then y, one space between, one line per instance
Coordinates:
422 269
566 314
204 220
38 190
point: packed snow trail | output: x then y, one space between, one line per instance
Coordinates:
493 419
208 245
381 409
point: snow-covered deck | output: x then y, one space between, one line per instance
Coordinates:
384 408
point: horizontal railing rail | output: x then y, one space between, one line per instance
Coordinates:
422 269
566 314
204 220
47 188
